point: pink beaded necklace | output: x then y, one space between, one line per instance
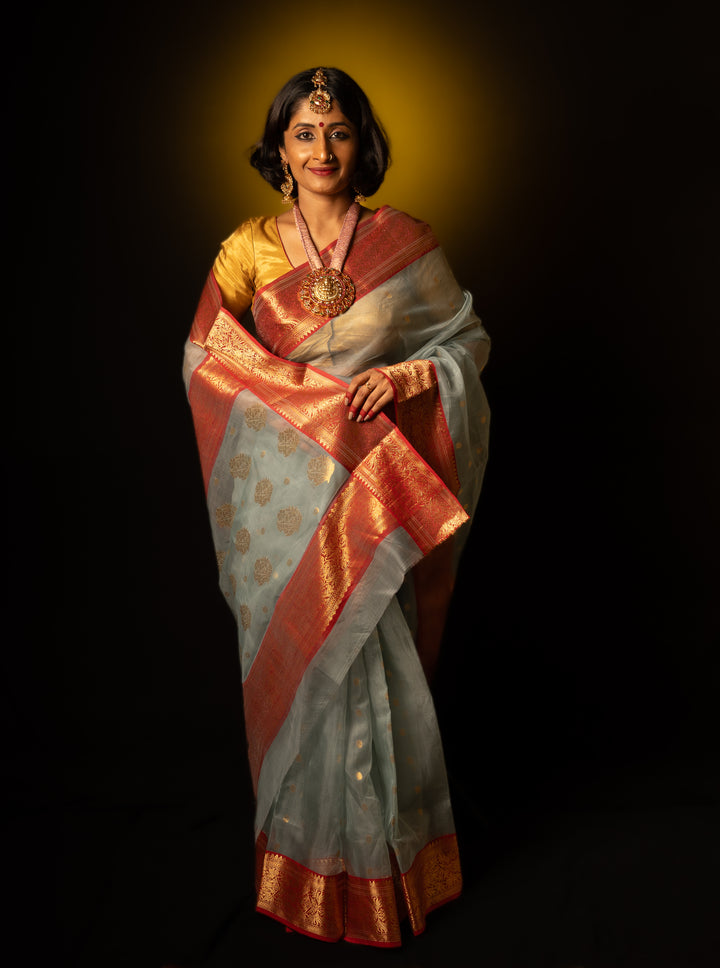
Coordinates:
327 291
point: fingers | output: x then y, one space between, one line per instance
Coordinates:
373 405
362 385
360 401
367 394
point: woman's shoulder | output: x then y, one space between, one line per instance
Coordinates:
250 228
254 251
255 241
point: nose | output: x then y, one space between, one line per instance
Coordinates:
322 149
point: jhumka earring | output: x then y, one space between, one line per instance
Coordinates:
287 186
359 197
320 99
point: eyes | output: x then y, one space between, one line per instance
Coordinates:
337 135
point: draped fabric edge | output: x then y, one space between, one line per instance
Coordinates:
420 416
355 909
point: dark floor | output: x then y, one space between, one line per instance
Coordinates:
624 872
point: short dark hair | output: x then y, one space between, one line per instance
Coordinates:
374 155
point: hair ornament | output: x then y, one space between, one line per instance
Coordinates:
320 100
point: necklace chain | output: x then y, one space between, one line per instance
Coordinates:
343 243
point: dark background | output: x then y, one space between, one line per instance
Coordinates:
578 690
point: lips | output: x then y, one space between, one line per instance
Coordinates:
323 171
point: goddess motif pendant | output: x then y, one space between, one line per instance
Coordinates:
326 292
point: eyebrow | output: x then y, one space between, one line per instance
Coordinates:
309 124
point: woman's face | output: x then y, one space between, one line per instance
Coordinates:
321 150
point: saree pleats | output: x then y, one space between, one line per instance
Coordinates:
318 524
352 833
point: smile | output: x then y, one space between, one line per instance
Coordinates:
323 171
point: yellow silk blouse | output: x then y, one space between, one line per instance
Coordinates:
249 259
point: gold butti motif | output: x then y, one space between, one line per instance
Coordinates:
255 416
289 520
320 469
263 491
242 540
288 441
245 617
262 571
224 515
240 466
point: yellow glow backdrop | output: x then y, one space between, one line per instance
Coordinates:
432 75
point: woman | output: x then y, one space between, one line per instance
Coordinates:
342 434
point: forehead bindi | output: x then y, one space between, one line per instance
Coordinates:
308 119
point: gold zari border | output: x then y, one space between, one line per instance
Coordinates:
410 378
420 416
212 394
359 910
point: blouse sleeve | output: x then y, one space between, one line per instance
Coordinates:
234 270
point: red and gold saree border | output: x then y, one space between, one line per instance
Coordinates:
207 309
375 452
212 394
421 418
212 389
359 910
331 568
382 247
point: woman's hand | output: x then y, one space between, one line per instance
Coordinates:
367 394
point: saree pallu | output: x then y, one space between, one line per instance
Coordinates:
318 522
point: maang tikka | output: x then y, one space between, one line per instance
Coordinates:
320 99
